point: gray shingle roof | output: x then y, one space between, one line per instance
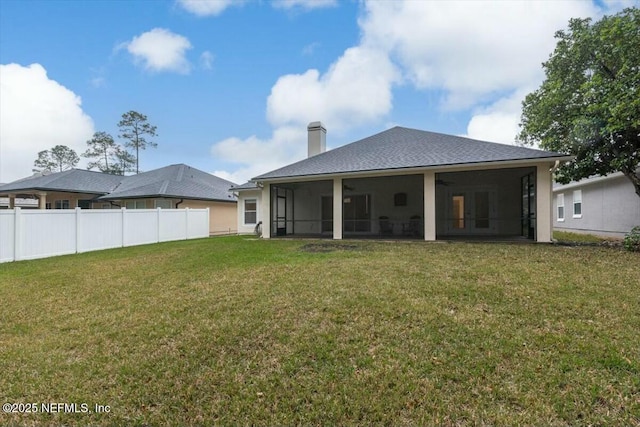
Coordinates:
400 148
246 186
72 181
176 181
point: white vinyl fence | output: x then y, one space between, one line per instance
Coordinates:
35 233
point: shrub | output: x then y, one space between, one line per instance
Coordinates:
632 240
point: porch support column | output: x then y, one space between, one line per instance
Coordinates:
544 194
12 201
429 206
42 200
337 208
266 211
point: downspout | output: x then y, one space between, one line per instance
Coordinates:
178 203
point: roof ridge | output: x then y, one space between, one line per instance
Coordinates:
163 188
181 168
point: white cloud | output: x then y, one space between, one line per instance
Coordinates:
207 7
160 50
500 121
257 156
470 52
356 89
36 114
303 4
206 60
469 49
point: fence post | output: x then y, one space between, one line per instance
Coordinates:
78 230
209 223
17 230
123 221
186 224
158 227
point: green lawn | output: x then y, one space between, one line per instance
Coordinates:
238 331
569 237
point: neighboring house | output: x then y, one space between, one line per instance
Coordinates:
604 205
62 190
405 183
21 203
174 186
179 186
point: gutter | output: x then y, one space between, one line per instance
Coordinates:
457 167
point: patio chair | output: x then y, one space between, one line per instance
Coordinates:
386 227
412 228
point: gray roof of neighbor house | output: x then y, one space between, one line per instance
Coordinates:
70 181
175 181
249 185
401 148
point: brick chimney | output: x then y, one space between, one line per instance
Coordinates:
317 138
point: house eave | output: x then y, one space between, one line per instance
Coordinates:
587 181
457 167
36 190
163 196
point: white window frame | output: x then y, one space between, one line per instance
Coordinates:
245 211
158 202
62 203
560 204
135 204
577 200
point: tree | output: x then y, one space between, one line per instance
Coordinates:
589 103
133 127
102 147
59 158
122 161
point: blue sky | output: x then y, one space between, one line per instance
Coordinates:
231 85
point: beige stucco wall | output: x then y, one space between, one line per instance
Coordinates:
544 225
223 217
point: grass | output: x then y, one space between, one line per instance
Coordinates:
237 331
569 237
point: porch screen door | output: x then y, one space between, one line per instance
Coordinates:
356 211
528 206
281 216
472 211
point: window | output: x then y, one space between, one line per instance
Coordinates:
577 204
250 211
136 204
400 199
62 204
560 204
84 204
163 203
